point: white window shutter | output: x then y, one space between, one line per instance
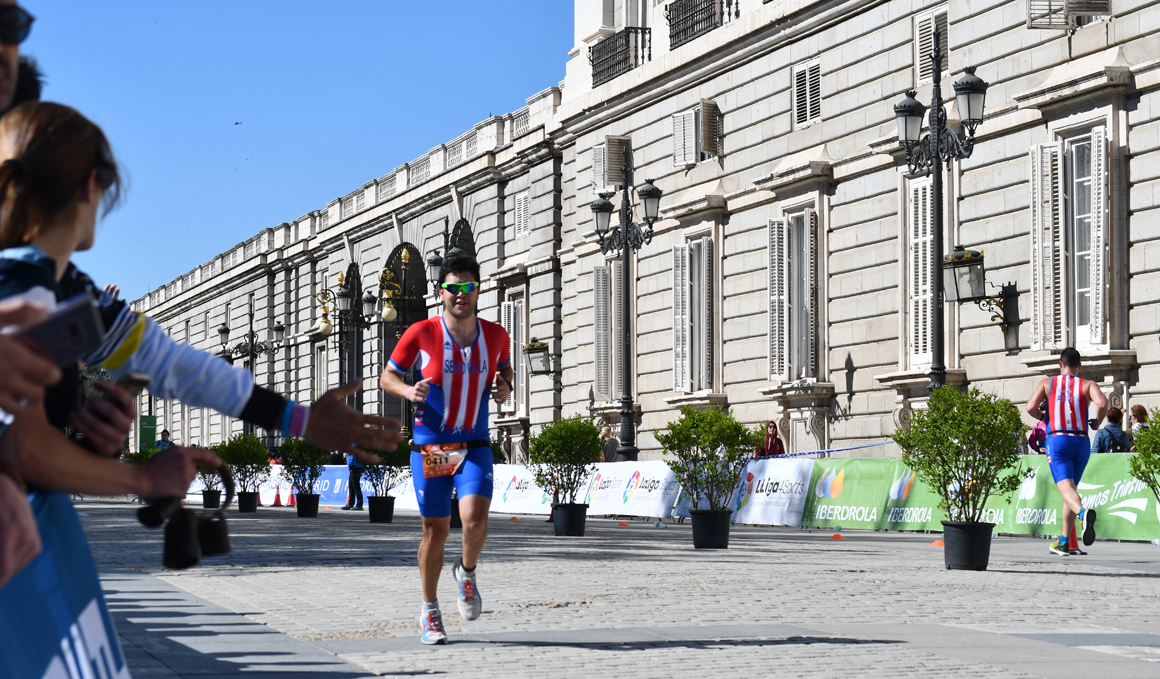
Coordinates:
616 341
710 132
1049 296
1099 226
1048 14
924 42
920 263
614 159
705 322
681 377
779 300
813 254
684 139
603 339
801 109
523 213
815 91
518 338
599 173
1089 7
507 318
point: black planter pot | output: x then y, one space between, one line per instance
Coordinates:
211 499
711 529
247 502
307 504
381 509
456 522
570 519
967 546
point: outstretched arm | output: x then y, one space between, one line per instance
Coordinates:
1037 397
1097 398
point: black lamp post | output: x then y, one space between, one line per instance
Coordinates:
940 146
625 237
435 261
250 348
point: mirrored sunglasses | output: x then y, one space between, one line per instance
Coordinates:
15 23
460 288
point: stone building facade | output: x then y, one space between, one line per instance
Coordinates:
788 277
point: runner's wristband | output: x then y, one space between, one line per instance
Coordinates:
10 471
408 396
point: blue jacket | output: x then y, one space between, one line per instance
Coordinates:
1107 438
353 462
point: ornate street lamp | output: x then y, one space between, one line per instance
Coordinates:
964 275
623 238
537 358
929 153
435 262
250 348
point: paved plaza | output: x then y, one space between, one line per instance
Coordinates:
338 597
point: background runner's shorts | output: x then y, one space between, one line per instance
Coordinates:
1068 456
473 478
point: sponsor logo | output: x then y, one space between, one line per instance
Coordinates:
986 516
900 489
1125 508
1030 484
1036 517
455 367
830 485
910 515
633 484
845 513
515 485
592 486
746 490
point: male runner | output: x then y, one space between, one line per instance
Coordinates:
1068 396
459 356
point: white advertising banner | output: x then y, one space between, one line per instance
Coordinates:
772 492
516 492
632 488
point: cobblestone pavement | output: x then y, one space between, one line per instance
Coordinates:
339 597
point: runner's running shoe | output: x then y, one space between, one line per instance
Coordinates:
1059 549
1089 527
433 632
1077 552
470 605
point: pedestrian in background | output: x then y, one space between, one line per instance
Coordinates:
1139 418
610 443
164 443
1112 439
1037 437
354 495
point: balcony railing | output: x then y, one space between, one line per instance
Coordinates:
619 53
690 19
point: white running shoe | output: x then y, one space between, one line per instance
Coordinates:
432 623
470 605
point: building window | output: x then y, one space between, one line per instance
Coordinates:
693 316
919 264
1069 237
321 371
514 318
523 221
807 93
696 134
1064 15
607 293
924 25
794 335
608 163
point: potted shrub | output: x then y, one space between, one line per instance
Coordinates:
211 480
1145 464
393 469
141 457
708 450
302 466
562 456
250 464
965 447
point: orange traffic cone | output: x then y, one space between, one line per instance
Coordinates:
290 501
1073 543
277 496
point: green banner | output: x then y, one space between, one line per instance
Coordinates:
147 430
883 493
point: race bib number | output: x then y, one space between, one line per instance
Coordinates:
442 462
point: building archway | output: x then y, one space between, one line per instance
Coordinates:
404 283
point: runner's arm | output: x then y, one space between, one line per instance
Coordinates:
1096 396
1037 397
503 386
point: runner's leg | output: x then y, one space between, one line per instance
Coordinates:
434 496
474 483
435 532
473 510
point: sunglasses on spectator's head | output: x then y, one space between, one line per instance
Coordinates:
460 288
15 23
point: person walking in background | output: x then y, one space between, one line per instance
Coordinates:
1112 439
164 443
1037 437
354 494
610 443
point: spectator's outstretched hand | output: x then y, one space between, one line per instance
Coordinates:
169 473
113 291
107 419
19 539
334 425
25 373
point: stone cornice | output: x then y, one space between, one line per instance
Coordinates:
1075 82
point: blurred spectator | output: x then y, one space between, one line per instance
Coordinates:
1112 439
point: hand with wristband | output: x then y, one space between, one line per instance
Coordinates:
418 393
501 389
19 538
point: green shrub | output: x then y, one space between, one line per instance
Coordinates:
142 456
709 449
965 447
1145 464
562 456
393 469
248 460
497 456
210 478
302 464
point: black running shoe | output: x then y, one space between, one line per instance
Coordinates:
1089 527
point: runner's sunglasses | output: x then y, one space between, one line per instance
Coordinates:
460 288
15 23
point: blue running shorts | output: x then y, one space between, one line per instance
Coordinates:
473 478
1068 456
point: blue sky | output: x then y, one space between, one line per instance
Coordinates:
329 95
